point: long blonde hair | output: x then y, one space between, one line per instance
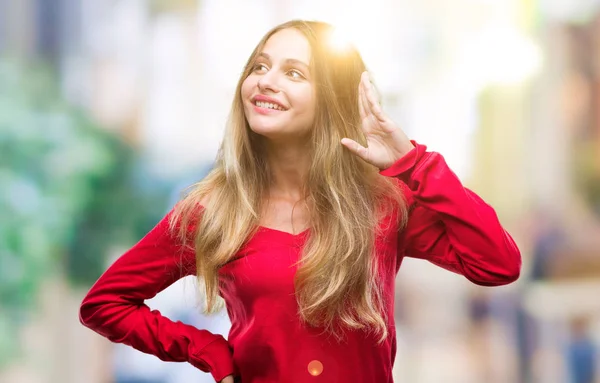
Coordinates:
337 282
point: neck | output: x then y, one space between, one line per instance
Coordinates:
289 166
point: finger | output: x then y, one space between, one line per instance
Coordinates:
377 111
370 88
366 111
372 101
355 148
364 100
361 105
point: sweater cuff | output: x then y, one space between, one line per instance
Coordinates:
218 357
404 166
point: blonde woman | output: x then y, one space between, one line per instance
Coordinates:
301 227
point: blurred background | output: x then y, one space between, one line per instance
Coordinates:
108 109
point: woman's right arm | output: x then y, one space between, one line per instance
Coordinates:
115 308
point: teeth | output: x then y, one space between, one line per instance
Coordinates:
268 105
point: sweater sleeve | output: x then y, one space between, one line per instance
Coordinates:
114 307
451 226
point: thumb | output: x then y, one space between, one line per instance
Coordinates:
355 148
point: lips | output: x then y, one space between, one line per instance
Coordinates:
266 102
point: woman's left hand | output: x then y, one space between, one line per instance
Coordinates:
386 142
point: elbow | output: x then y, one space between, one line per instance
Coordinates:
515 271
506 273
497 273
86 314
512 261
506 267
107 317
511 274
94 316
512 265
94 312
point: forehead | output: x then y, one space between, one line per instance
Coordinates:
288 44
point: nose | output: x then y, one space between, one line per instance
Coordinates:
268 82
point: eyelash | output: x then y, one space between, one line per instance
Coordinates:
258 67
297 72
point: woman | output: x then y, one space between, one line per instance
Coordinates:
301 229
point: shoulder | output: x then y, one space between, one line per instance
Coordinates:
404 191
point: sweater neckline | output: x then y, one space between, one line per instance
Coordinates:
285 233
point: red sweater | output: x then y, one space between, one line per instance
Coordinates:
448 225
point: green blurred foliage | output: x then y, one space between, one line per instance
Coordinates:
71 192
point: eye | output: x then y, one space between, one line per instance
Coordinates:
259 68
296 74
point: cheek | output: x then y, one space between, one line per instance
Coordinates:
311 104
247 87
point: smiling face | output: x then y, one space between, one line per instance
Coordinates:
279 95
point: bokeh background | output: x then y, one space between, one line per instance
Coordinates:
109 109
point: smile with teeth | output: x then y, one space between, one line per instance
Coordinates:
268 105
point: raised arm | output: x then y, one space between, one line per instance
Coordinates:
451 226
115 308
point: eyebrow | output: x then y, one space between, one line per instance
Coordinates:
287 61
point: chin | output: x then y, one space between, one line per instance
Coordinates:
264 130
274 135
